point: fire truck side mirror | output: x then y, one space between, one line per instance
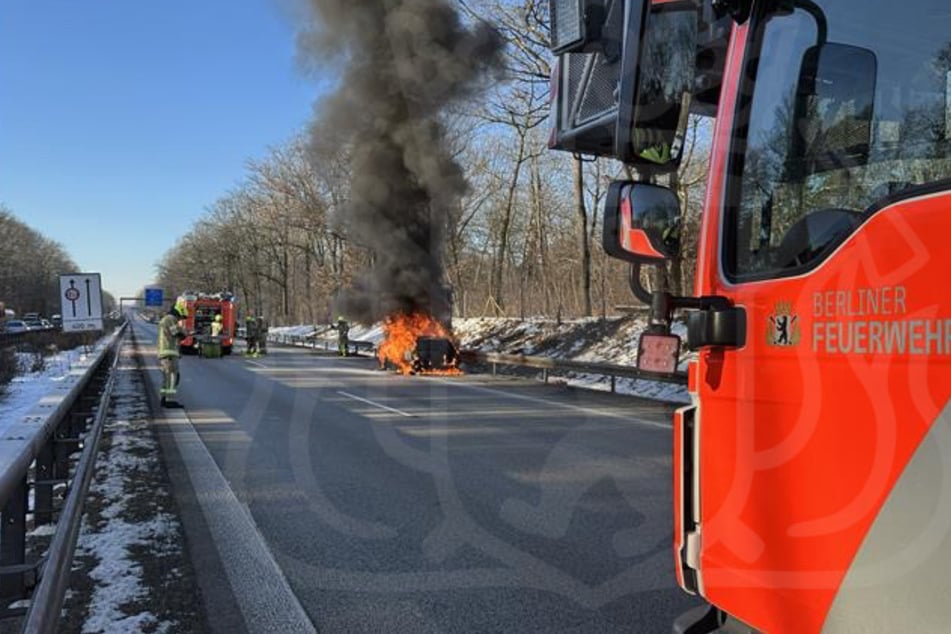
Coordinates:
626 88
576 25
653 115
596 74
641 223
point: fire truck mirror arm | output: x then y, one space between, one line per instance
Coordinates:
637 288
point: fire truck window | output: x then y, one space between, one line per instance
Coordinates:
830 128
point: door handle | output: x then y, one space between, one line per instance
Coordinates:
716 326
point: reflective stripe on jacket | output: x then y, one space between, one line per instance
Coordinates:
168 331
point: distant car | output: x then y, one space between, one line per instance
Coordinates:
47 325
33 324
57 320
15 326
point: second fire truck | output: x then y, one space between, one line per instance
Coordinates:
203 309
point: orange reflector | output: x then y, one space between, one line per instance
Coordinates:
658 353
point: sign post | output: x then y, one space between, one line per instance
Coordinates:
81 300
153 297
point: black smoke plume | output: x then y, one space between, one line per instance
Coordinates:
404 63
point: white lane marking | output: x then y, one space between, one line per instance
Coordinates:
260 365
586 410
375 404
260 588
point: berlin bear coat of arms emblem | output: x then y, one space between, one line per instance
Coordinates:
783 327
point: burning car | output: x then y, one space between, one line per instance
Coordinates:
418 344
434 354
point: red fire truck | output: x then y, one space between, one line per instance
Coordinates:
203 309
810 469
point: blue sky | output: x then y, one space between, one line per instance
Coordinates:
120 120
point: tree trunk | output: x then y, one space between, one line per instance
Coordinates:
540 237
676 262
285 283
309 278
497 274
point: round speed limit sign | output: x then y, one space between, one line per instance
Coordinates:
72 294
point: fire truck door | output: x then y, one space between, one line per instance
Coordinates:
824 443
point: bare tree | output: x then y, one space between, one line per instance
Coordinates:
30 265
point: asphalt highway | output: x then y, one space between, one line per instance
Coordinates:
431 504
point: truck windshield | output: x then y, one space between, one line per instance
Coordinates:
847 104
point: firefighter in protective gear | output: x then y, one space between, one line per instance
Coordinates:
251 334
170 332
343 330
216 326
262 334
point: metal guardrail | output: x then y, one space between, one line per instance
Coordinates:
30 336
52 335
47 601
46 438
548 365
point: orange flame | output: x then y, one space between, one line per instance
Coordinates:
399 345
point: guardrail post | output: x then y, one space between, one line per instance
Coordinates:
545 375
613 383
494 365
64 442
43 486
77 423
13 541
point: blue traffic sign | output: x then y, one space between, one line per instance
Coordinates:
153 297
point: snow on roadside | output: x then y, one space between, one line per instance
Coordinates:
27 389
357 332
612 340
115 530
291 331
